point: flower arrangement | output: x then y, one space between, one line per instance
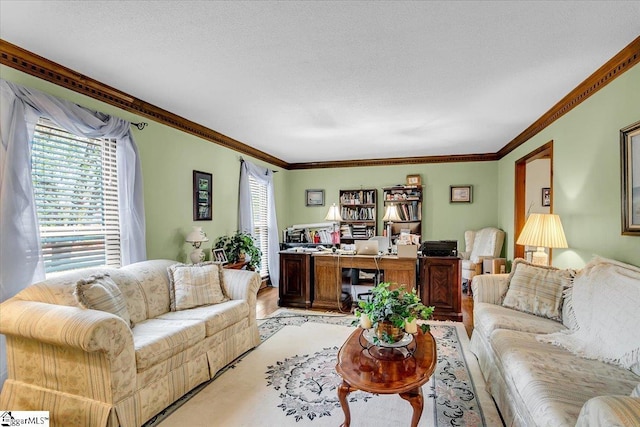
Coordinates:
392 312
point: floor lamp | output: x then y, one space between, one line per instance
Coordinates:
542 231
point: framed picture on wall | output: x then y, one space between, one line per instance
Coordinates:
546 197
460 193
202 196
314 197
630 160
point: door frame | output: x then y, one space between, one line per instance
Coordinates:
520 216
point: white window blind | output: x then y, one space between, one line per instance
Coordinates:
76 191
260 230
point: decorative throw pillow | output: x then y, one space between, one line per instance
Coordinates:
195 285
99 292
536 289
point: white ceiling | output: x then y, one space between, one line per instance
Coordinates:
318 81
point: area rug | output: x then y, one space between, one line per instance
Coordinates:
290 380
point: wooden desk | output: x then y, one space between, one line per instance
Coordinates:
328 292
296 278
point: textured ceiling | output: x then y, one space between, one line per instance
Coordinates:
321 81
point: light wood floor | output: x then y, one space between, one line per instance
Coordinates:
268 303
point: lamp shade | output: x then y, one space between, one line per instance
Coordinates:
391 214
197 235
333 214
543 230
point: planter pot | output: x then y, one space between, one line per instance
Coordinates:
411 327
386 332
365 322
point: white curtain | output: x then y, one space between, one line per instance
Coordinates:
20 255
245 212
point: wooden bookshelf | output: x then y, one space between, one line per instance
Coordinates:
408 202
358 209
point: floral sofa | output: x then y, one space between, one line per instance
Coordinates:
146 340
559 347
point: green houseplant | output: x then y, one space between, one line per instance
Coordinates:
390 312
238 246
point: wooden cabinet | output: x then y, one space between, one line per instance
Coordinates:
440 286
408 203
358 209
330 290
296 276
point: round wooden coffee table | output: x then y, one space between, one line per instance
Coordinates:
382 370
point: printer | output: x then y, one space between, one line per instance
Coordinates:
439 248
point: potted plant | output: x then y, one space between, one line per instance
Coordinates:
239 246
392 313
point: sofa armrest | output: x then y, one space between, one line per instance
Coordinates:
242 284
87 330
94 347
489 288
613 411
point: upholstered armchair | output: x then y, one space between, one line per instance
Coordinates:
479 245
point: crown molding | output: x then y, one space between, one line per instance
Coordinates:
35 65
612 69
395 161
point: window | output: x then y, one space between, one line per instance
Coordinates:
260 229
76 192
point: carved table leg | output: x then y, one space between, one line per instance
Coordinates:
415 398
343 390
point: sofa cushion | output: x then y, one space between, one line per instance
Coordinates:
554 383
153 281
537 290
489 317
157 340
99 292
195 285
216 317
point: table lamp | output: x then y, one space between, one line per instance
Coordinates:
196 237
542 231
334 215
390 215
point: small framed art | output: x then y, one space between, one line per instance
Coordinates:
414 180
314 197
460 193
546 197
202 196
218 255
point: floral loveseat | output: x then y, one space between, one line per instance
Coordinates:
90 367
560 348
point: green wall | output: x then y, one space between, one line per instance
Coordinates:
441 220
586 180
586 175
168 158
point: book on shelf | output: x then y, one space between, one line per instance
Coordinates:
349 213
358 197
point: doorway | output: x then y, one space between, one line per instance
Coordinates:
524 200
